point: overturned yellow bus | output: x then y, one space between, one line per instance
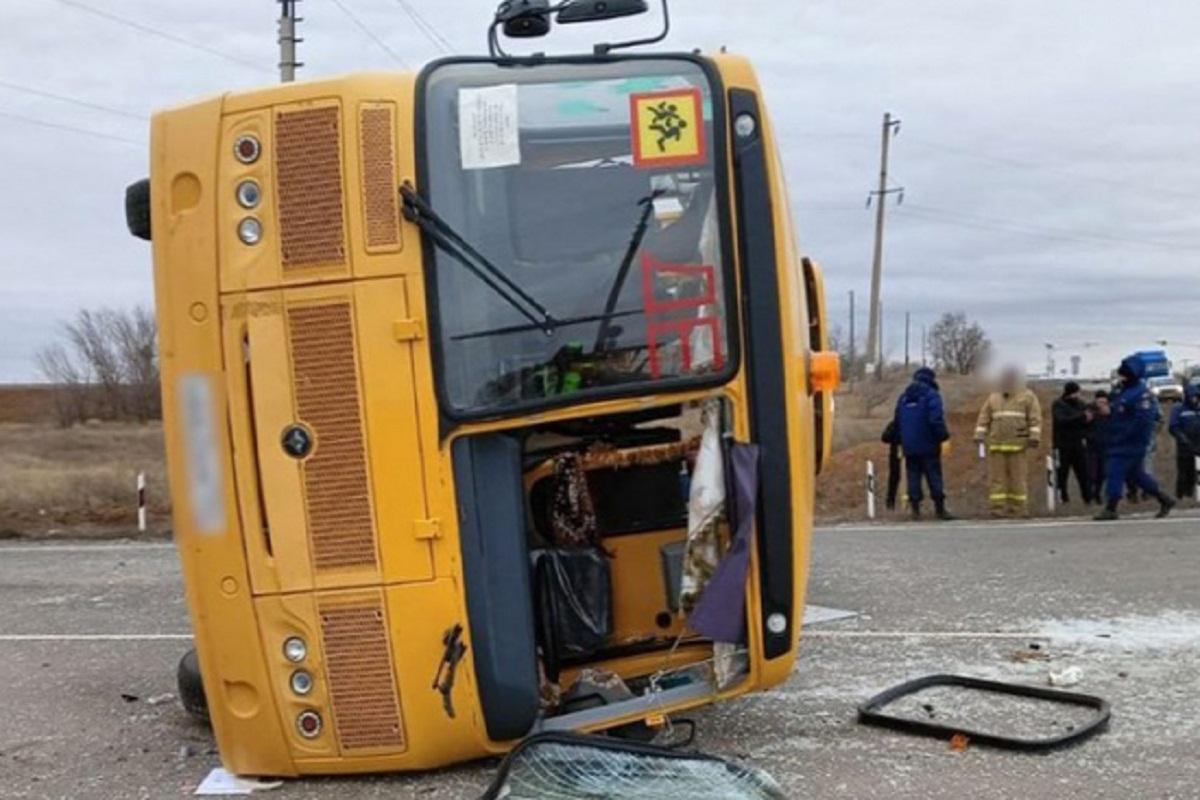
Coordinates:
460 371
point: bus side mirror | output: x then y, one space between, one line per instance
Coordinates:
596 10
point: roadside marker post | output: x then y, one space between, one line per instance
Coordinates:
1197 463
141 502
1051 489
870 490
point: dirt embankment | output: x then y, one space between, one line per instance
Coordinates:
27 403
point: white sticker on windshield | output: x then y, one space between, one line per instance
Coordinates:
488 132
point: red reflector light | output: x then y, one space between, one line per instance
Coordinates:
246 148
309 724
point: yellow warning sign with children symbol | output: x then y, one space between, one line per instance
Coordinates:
668 128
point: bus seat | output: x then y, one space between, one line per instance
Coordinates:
496 572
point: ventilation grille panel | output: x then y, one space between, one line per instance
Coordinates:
335 476
379 177
362 684
308 150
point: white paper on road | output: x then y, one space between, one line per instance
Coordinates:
220 783
814 615
488 128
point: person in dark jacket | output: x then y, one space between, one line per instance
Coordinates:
1097 442
1185 428
1134 417
921 420
891 437
1071 418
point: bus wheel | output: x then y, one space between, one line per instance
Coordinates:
137 208
191 690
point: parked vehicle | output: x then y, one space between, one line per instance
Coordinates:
1166 388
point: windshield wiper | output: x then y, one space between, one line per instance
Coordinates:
635 242
561 323
419 212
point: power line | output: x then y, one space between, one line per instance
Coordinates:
430 32
371 34
170 37
1029 229
63 127
1007 161
16 87
1040 167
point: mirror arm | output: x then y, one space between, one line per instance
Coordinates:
605 49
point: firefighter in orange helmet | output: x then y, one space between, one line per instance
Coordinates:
1009 424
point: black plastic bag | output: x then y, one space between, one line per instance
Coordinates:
574 604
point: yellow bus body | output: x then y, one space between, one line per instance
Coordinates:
373 620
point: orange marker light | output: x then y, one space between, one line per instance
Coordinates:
825 371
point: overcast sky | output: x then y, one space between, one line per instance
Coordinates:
1047 148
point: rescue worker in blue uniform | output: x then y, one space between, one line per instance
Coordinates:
921 422
1134 417
1185 428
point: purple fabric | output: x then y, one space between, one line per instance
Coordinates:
720 614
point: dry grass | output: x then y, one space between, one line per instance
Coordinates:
51 477
85 477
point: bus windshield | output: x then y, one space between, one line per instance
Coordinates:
594 190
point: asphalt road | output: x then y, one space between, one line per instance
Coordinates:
90 634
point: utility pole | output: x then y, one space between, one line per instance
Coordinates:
907 333
879 345
852 367
288 40
924 357
874 352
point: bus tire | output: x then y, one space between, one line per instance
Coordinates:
191 689
137 208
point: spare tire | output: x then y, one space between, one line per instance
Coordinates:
137 208
191 689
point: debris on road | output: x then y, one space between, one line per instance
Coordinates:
1070 676
220 783
580 765
1020 729
1034 653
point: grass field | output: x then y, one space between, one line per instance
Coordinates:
84 477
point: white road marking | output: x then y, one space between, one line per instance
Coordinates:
1004 635
94 637
85 548
1001 526
177 637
